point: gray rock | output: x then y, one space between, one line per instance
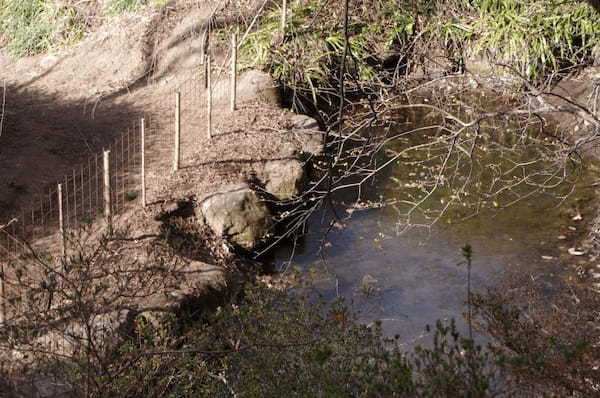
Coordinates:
251 86
237 213
304 122
284 179
481 65
308 133
368 284
170 206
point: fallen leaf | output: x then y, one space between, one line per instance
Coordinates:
574 252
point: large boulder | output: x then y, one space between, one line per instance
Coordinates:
237 213
284 179
308 133
252 85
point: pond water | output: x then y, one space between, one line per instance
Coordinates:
411 279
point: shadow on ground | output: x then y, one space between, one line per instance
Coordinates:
44 137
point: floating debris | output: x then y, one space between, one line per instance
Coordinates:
574 252
547 257
577 218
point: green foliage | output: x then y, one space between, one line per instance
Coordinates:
34 26
310 50
534 36
272 345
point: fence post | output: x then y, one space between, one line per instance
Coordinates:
209 99
177 130
202 48
61 221
107 191
283 15
74 199
233 71
2 295
143 160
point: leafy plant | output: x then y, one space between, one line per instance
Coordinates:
536 37
272 344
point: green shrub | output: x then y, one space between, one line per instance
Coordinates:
275 345
535 37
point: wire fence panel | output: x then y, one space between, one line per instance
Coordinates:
24 269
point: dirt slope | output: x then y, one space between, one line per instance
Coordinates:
63 107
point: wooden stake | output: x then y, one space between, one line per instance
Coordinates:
97 188
61 221
107 191
74 198
143 150
123 171
2 296
66 207
206 72
233 71
283 15
209 100
202 48
177 130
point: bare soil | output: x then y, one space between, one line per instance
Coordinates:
63 107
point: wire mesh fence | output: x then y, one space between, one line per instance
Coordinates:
39 236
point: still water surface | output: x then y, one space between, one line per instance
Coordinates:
412 279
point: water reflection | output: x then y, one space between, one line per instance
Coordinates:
412 279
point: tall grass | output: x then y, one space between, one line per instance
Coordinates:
117 7
536 36
35 26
